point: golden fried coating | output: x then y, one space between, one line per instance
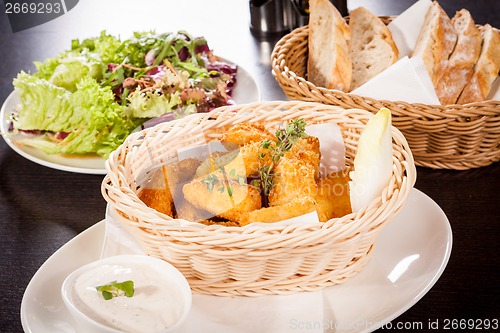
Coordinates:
178 173
224 223
187 211
155 192
163 184
217 160
307 149
181 171
309 143
254 156
294 208
245 133
159 199
293 178
244 161
333 197
226 199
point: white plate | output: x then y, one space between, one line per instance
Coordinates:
245 91
410 256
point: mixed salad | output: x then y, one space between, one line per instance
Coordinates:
87 100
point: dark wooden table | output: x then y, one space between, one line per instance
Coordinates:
42 208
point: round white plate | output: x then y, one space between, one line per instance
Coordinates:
410 256
245 91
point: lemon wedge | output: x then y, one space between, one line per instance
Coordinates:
373 161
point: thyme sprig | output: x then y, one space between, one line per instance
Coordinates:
212 179
286 138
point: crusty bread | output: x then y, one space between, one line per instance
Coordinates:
436 41
460 65
372 48
486 68
329 64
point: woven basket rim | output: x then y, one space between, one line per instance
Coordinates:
270 231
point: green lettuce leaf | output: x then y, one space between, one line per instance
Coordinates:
87 58
94 121
46 68
106 46
44 106
67 75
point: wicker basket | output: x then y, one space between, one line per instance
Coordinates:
440 136
253 260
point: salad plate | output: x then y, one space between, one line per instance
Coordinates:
245 91
410 256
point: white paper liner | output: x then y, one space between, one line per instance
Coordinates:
407 80
406 27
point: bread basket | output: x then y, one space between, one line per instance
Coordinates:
253 260
440 136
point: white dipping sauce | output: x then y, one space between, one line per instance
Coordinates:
157 302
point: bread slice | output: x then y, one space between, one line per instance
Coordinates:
460 65
372 48
486 68
436 41
329 64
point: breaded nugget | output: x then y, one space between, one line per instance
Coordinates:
155 192
217 160
294 208
159 199
227 199
309 143
333 197
189 212
163 184
224 223
254 156
242 134
177 173
293 178
245 161
307 149
181 171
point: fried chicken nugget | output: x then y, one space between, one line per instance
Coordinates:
178 173
245 133
308 150
293 178
294 208
224 223
159 192
226 199
244 161
181 171
333 197
254 156
310 143
189 212
156 194
159 199
218 160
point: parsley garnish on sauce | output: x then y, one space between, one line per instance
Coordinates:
115 289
